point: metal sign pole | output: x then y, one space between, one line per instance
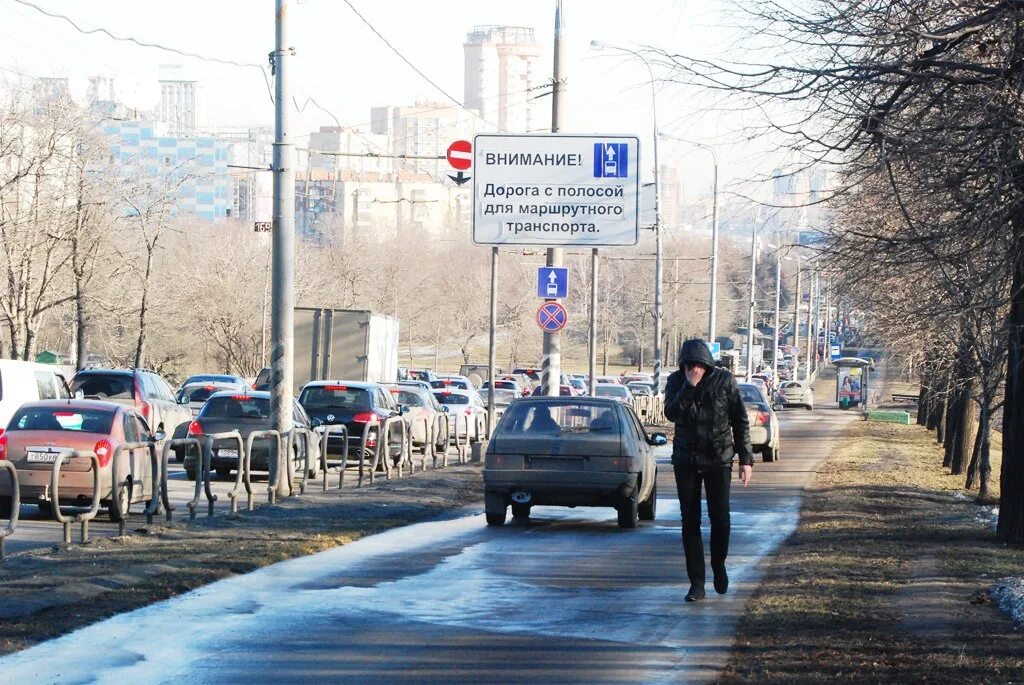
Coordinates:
551 364
593 322
490 343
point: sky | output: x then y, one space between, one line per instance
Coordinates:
347 69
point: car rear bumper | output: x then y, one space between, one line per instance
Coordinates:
75 486
760 436
562 487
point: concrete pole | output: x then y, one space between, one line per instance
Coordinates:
817 319
753 302
283 268
713 309
778 303
827 354
659 310
490 340
551 364
796 325
593 322
810 333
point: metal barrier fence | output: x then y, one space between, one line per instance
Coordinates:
168 446
12 521
325 436
273 463
94 508
648 407
203 472
122 488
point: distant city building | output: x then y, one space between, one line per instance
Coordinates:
671 200
179 103
250 153
349 150
46 91
503 67
418 135
200 163
102 102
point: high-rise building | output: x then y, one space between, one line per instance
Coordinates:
179 103
420 135
503 67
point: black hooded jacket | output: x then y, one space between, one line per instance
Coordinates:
711 421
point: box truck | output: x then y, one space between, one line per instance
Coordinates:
344 344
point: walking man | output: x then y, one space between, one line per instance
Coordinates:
710 429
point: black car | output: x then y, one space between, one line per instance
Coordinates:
355 405
570 451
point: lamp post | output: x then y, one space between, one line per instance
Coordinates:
713 305
658 307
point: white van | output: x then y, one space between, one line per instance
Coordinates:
22 382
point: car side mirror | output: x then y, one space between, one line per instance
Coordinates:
159 436
777 407
183 400
316 423
658 439
444 408
403 409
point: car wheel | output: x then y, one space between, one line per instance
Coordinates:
768 455
628 513
809 407
496 518
649 508
113 513
520 512
179 455
6 507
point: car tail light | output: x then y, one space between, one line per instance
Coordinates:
104 451
469 412
241 397
365 417
3 445
336 388
763 418
195 428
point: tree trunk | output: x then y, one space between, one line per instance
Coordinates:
1011 479
965 431
940 416
973 468
922 403
140 347
952 431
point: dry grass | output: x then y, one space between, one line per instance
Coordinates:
884 579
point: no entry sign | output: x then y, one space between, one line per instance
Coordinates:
460 155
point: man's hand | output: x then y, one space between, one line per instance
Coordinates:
694 374
746 471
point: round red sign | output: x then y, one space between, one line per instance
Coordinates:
460 155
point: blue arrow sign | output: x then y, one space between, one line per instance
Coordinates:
553 282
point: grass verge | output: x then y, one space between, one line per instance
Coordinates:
884 580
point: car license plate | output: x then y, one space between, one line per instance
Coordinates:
227 453
41 457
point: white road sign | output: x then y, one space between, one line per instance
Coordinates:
556 189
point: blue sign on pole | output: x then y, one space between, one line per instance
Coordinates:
553 282
835 354
716 350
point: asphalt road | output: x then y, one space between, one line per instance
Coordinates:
567 598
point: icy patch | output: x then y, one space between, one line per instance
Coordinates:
1009 596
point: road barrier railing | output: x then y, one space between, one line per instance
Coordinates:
94 507
364 445
12 522
273 463
203 472
165 460
427 446
125 478
382 457
460 444
309 464
442 436
326 432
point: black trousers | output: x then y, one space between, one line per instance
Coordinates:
716 482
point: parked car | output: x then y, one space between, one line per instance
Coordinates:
762 384
532 374
22 382
578 384
451 383
145 390
41 431
246 413
464 403
641 388
356 405
505 384
421 405
563 391
502 400
262 382
425 375
764 424
796 393
615 391
564 451
614 380
225 379
194 396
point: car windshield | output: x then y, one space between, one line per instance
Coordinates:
62 419
198 393
500 396
451 398
236 407
751 395
102 386
419 375
564 419
210 378
611 391
315 397
409 397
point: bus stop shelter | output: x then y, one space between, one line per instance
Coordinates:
853 381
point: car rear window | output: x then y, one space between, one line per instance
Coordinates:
198 393
559 419
751 395
335 397
210 378
529 373
419 375
451 398
611 391
62 419
413 399
500 396
449 383
102 386
236 407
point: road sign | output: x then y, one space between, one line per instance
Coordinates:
716 350
552 317
262 226
555 189
460 155
834 352
553 282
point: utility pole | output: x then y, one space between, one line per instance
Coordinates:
283 269
810 314
593 322
753 302
551 364
713 312
796 325
490 341
778 303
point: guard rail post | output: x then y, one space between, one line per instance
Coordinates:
118 483
203 473
155 465
382 448
328 430
168 446
307 461
272 465
428 444
12 522
94 508
439 420
362 452
459 446
288 439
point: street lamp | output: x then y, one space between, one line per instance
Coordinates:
658 307
713 308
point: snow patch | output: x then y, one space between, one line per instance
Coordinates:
1009 596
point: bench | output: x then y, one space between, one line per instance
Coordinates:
899 397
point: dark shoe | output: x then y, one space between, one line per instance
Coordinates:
721 580
695 594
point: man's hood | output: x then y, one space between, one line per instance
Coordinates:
696 352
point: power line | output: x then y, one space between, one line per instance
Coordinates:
411 65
